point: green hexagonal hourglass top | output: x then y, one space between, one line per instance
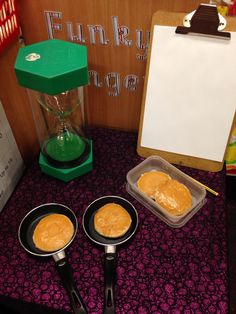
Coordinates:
52 66
52 71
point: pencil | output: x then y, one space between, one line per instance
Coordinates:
207 188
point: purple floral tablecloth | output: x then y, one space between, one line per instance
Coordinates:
159 270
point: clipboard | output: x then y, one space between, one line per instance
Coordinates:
148 142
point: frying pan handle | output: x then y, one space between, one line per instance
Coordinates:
65 272
110 266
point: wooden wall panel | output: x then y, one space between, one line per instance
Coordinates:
121 111
16 105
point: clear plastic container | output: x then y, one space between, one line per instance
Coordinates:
157 163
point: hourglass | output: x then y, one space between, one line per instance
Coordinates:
66 146
54 72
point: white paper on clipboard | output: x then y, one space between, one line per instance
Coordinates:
191 94
11 163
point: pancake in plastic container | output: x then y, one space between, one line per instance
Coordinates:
150 181
175 197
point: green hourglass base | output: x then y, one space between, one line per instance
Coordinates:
67 174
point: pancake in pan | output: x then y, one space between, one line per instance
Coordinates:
112 220
53 232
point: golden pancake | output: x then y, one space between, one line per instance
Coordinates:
53 232
175 197
112 220
150 181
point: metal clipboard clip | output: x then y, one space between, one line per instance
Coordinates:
205 21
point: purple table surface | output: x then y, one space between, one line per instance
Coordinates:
159 270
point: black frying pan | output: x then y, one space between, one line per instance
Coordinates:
109 243
25 235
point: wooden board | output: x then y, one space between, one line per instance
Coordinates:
173 156
114 98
